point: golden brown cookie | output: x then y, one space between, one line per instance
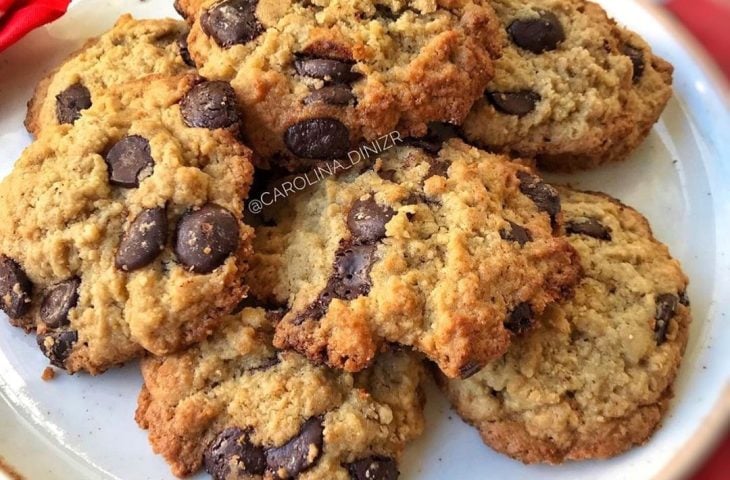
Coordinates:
240 409
449 251
595 376
124 232
315 78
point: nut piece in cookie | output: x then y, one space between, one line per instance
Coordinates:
594 378
124 231
447 249
236 407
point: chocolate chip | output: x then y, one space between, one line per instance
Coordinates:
232 22
351 275
59 301
666 308
683 298
373 468
129 161
143 241
366 220
15 288
318 138
232 455
182 45
331 95
206 237
516 233
637 60
432 142
520 319
57 345
589 227
298 454
545 196
71 102
330 70
537 35
514 103
469 369
210 105
177 4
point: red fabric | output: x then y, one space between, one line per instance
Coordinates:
718 465
708 20
18 17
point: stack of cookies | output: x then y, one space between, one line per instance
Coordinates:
294 212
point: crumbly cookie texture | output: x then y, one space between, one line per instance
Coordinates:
124 231
240 409
131 50
572 88
450 252
315 78
595 377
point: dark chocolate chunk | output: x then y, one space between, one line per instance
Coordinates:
298 454
182 45
318 138
232 455
232 22
438 133
71 102
59 301
129 161
15 288
637 60
537 35
520 319
143 241
331 95
683 298
545 196
589 227
351 275
666 308
367 220
373 468
57 345
330 70
514 103
210 105
469 369
206 237
515 233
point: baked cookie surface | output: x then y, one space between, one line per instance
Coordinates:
240 409
132 49
315 78
450 252
571 88
124 231
595 376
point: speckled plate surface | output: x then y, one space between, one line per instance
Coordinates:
83 428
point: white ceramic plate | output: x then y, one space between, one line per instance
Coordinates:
81 427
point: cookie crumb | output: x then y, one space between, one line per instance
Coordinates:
48 374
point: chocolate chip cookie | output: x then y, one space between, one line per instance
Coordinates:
595 376
571 88
315 78
451 252
131 50
123 232
238 408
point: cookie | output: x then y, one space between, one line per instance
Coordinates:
238 408
451 252
315 78
572 88
132 49
123 232
595 376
